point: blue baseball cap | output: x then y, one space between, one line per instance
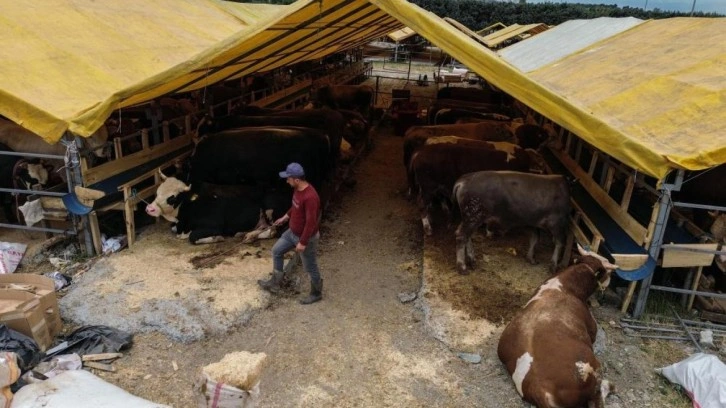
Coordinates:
293 170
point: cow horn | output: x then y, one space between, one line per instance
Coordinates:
713 213
187 188
582 250
161 174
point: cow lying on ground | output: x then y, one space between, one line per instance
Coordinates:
507 199
547 347
21 174
435 168
205 218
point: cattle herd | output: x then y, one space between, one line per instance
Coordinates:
481 167
231 182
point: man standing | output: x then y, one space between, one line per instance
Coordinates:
302 234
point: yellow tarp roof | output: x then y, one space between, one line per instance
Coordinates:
652 97
67 64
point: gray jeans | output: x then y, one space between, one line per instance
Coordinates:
288 241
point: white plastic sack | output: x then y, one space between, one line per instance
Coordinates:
10 255
77 389
703 376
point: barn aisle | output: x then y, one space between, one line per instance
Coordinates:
361 346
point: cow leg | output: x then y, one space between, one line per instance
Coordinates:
464 249
533 238
559 244
424 204
205 236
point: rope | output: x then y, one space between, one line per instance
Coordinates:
135 195
71 156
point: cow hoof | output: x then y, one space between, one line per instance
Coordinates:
532 261
471 263
461 268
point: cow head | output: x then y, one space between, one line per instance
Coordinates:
31 175
601 267
169 197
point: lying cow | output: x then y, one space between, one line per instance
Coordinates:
21 174
547 347
205 218
508 199
435 168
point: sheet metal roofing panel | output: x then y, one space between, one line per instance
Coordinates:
562 40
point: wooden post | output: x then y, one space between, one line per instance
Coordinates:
694 285
95 232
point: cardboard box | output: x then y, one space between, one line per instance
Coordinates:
43 288
21 311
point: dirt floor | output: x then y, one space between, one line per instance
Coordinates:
365 344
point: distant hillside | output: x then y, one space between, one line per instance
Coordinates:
478 14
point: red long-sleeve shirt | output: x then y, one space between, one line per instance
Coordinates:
304 213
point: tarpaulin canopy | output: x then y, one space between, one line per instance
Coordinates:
651 96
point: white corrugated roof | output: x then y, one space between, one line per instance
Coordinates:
562 40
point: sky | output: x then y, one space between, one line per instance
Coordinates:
706 6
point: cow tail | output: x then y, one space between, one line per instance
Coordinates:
455 209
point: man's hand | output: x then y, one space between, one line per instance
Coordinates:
300 247
281 220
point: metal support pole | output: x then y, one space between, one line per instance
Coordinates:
74 167
664 209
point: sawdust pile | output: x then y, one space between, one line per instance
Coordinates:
240 369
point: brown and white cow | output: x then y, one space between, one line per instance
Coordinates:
435 168
510 199
493 131
547 347
22 174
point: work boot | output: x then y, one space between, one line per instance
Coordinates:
316 293
272 285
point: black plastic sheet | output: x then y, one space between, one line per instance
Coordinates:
95 340
26 348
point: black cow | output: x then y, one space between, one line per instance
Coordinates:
435 168
353 97
208 217
255 156
330 122
22 174
509 199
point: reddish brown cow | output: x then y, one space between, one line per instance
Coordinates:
547 347
493 131
434 168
